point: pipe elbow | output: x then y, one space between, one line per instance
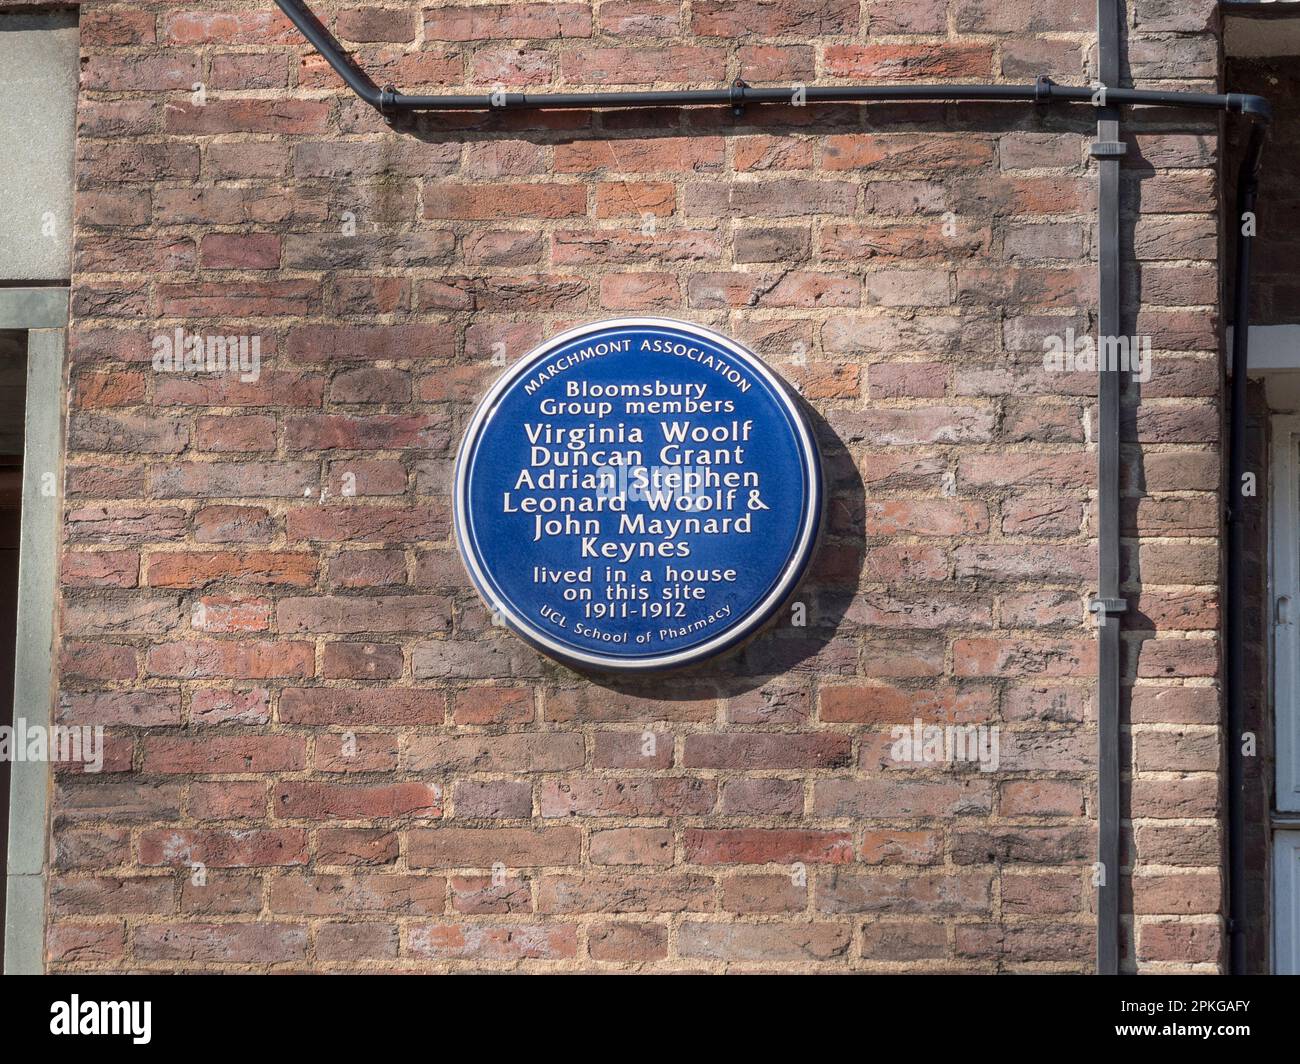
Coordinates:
1258 108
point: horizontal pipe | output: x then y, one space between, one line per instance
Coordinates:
1044 90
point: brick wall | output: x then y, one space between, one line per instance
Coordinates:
305 697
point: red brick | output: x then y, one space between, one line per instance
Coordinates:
329 705
483 894
765 846
450 847
766 751
376 24
356 846
769 18
239 251
511 752
924 154
629 892
248 432
260 568
880 704
648 18
366 524
234 659
366 343
361 661
86 943
1020 657
493 943
493 800
762 797
902 847
926 517
1189 943
900 797
97 661
779 63
493 705
297 800
507 21
249 116
261 943
227 799
628 942
222 847
928 893
140 708
484 202
224 754
909 62
675 65
231 613
764 894
119 26
626 798
763 943
632 846
101 568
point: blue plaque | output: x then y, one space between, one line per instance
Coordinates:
637 494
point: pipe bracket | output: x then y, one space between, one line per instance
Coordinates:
1107 149
737 96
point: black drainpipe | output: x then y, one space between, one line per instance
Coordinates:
388 101
1108 603
1247 193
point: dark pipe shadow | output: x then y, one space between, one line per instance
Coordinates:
567 126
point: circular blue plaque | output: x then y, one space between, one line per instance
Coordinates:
637 494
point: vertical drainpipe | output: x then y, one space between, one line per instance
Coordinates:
1108 605
1235 634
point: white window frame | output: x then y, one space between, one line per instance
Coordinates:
43 314
1286 916
1284 538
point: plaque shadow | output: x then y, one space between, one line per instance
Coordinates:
767 678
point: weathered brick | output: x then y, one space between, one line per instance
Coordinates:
299 800
522 752
251 659
766 845
259 943
765 943
223 847
330 705
452 847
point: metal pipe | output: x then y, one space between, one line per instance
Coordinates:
1043 91
330 50
389 101
1109 606
1235 678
